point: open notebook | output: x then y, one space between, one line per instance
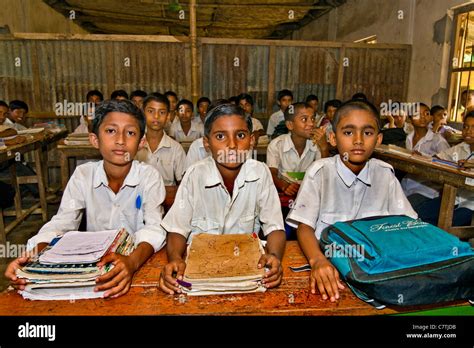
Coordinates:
223 264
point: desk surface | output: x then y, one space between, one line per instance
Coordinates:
292 297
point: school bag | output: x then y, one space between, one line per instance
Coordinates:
397 260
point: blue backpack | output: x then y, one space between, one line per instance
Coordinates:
401 261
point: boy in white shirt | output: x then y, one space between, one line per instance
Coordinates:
196 152
187 129
202 106
345 187
295 151
285 98
160 150
222 194
245 101
16 116
115 192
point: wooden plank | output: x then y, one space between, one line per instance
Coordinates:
271 80
40 182
340 73
446 210
194 53
98 37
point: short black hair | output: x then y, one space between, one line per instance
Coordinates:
468 115
138 93
203 100
218 102
2 103
355 105
312 97
171 94
335 103
292 110
95 92
160 98
227 109
125 106
233 99
244 96
18 104
119 93
284 93
185 102
359 96
436 108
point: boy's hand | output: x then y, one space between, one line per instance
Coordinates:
274 275
319 135
326 277
291 189
168 283
118 280
10 272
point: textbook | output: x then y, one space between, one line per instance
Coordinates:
67 268
293 177
223 264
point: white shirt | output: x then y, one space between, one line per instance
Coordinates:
196 152
169 158
196 131
256 125
429 145
282 154
331 192
203 204
465 198
274 120
15 125
88 190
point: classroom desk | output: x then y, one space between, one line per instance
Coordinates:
451 179
33 144
292 297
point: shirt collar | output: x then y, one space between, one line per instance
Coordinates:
165 142
288 145
132 178
246 174
348 177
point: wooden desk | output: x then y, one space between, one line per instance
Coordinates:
292 297
451 179
13 153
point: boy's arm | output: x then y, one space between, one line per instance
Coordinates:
275 249
10 272
323 273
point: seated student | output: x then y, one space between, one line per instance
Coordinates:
3 112
224 194
115 192
344 187
160 151
313 100
16 116
330 108
245 101
284 99
428 209
173 99
467 102
295 151
396 129
196 152
119 94
233 100
440 122
93 98
202 106
137 98
187 129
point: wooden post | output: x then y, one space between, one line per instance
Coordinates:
340 73
194 55
271 81
448 199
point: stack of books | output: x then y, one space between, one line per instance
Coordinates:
223 264
67 268
77 139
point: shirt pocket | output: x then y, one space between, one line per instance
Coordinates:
132 220
328 219
247 223
205 225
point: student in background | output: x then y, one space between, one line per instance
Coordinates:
160 150
16 117
225 193
330 108
186 129
94 96
428 209
294 152
3 111
284 99
245 101
115 192
173 99
137 97
233 100
440 122
344 187
313 101
119 94
202 108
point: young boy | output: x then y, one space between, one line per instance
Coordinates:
285 98
16 116
115 192
3 111
160 151
202 106
313 101
295 151
246 102
94 96
187 129
173 99
119 94
440 122
223 194
137 97
344 187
